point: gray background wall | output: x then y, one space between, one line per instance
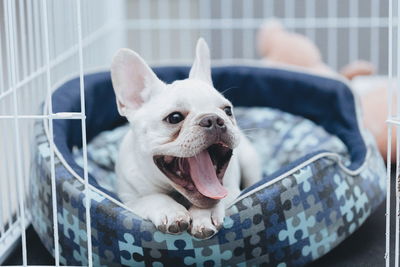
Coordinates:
362 38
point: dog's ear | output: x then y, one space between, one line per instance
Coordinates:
201 69
133 80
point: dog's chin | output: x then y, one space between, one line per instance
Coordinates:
178 170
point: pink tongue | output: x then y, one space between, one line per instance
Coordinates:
204 177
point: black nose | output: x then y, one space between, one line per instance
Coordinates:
212 121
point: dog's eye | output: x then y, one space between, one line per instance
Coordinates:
175 117
228 110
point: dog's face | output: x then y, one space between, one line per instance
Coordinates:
187 127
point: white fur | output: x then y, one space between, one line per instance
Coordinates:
146 101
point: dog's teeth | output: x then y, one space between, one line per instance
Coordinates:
168 159
180 163
222 144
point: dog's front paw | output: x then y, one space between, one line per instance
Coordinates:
206 222
172 221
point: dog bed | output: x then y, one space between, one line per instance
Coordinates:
322 176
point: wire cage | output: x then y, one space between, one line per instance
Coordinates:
44 43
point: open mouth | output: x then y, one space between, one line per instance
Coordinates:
202 172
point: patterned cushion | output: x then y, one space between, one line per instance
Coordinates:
323 176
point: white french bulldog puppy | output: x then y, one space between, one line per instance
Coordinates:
183 141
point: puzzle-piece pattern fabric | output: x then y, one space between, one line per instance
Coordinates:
296 219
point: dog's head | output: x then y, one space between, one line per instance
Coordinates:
187 127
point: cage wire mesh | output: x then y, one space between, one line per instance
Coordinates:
43 43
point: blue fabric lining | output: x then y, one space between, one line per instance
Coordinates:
327 102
